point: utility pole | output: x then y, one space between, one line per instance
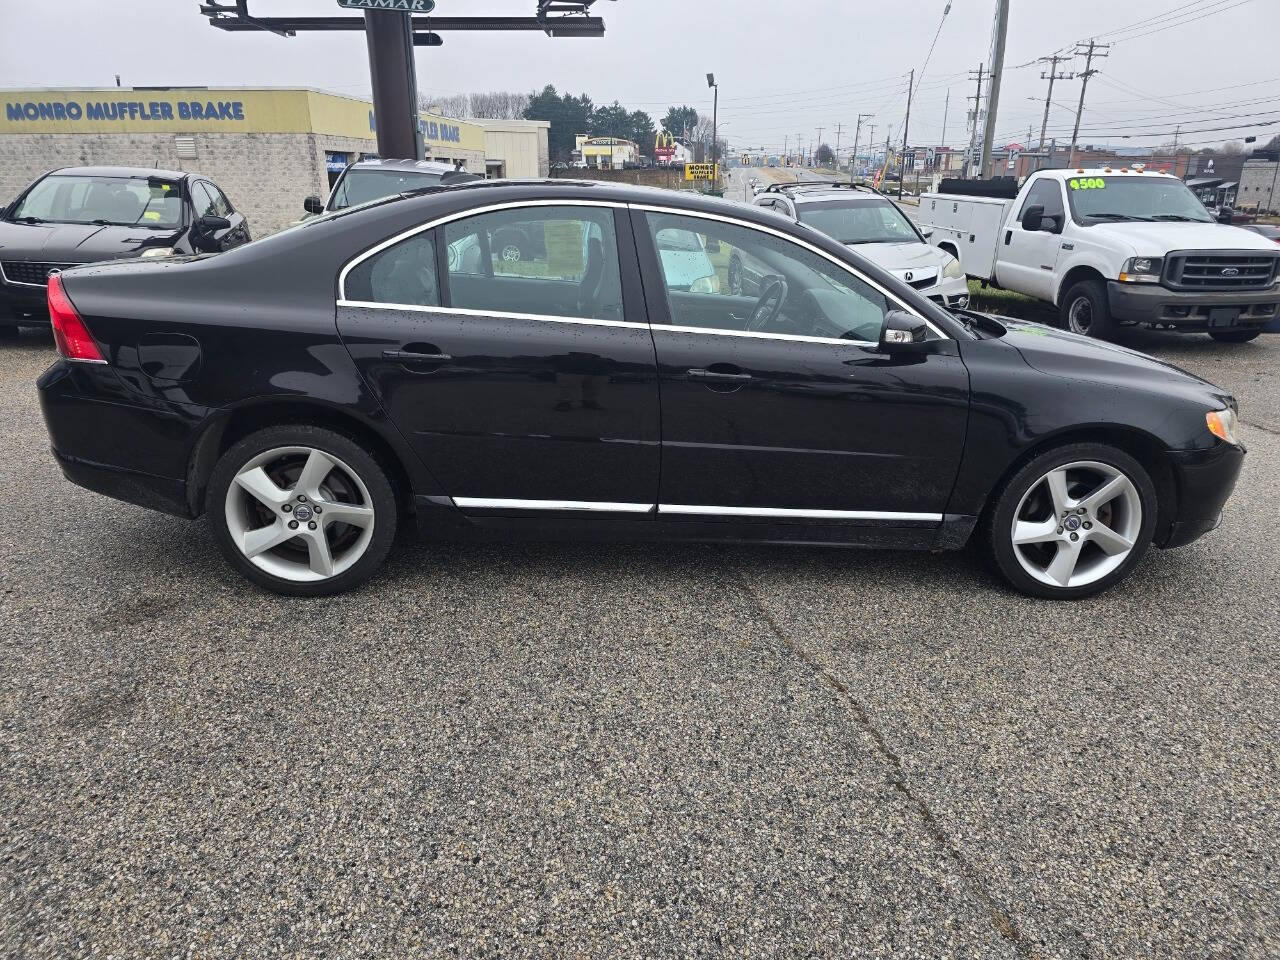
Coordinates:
1051 76
839 130
946 109
817 146
999 29
799 149
715 116
1094 49
911 84
853 160
973 120
784 147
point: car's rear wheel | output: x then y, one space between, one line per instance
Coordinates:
302 510
1235 336
1073 521
1085 310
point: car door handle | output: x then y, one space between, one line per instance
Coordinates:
411 356
700 373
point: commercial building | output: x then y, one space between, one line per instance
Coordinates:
604 153
1260 182
267 148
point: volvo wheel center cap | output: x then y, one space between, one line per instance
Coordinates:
303 512
1073 523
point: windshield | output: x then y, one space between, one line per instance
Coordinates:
1134 198
858 221
122 201
361 186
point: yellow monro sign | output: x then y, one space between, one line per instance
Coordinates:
701 171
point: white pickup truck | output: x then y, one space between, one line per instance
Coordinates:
1110 247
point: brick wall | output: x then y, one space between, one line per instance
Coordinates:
265 175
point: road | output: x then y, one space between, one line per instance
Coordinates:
608 750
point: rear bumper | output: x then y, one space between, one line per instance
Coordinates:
1205 480
1161 308
143 489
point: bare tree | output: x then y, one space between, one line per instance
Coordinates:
499 105
1232 147
454 105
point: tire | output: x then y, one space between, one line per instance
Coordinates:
1085 310
1094 561
339 476
1234 336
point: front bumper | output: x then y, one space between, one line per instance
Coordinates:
1160 308
20 303
949 293
1205 480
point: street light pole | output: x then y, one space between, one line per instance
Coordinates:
715 115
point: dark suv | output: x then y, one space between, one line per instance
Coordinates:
84 214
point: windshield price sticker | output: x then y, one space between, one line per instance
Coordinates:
1087 183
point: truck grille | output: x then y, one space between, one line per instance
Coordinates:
1220 271
26 271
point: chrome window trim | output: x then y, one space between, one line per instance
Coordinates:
761 335
500 314
702 510
678 212
592 506
461 215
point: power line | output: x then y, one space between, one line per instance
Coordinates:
1095 50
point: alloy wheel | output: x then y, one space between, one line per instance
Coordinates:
299 513
1080 316
511 253
1076 524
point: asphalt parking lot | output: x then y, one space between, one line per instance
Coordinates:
570 750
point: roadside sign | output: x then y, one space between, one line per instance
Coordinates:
396 6
700 171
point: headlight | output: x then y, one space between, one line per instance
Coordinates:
1141 270
156 252
953 270
1222 424
705 285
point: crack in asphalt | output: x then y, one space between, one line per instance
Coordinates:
1000 918
1258 426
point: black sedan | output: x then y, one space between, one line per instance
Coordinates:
385 366
83 214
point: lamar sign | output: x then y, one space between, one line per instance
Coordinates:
398 6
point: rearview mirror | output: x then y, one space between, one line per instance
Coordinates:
313 205
901 329
1031 217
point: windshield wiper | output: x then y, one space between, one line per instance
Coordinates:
1116 216
28 220
1182 218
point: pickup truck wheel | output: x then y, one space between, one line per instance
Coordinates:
1085 310
1234 336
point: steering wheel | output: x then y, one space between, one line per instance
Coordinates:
767 308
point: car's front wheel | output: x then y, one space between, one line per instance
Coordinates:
302 510
1073 521
1086 311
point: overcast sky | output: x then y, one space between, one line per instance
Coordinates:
785 68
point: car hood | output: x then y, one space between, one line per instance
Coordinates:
1062 354
900 257
1157 239
76 242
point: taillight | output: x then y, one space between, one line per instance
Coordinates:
70 334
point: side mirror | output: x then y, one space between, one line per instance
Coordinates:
1050 224
313 205
203 231
927 232
212 224
901 329
1225 215
1032 216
